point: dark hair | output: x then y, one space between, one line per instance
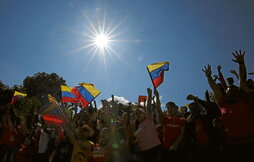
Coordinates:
193 104
230 80
170 104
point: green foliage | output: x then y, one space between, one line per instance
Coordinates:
42 84
5 94
26 106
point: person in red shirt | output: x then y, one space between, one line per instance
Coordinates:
173 129
237 115
10 138
197 134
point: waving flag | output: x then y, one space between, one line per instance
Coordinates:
67 95
156 72
85 93
51 112
17 96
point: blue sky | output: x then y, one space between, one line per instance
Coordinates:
43 36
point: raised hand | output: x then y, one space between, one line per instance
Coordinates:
156 93
239 56
251 73
215 77
233 71
219 68
191 97
149 91
207 70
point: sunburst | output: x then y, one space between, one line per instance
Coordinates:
100 38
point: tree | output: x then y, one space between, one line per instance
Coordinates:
5 94
42 84
26 106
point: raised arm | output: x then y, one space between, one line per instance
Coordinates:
239 58
235 73
196 99
149 100
221 77
216 89
158 105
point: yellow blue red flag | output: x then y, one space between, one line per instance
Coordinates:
85 93
67 95
17 96
156 72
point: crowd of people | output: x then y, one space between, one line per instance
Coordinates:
217 128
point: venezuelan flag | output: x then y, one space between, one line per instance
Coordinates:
67 95
51 112
85 93
17 96
156 72
50 108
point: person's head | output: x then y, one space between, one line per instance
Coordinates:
140 114
84 132
172 108
211 97
183 109
230 81
232 94
194 109
104 103
104 135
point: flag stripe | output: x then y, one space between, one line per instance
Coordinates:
85 93
155 66
49 108
157 81
16 98
52 118
157 73
67 94
69 99
79 97
92 90
66 88
20 94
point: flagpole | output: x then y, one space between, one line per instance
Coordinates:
95 105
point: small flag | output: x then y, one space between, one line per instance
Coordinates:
51 99
67 95
85 93
142 99
17 96
50 107
156 72
51 112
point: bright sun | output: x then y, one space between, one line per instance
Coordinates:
100 38
101 41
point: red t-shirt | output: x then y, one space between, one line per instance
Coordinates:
9 138
200 134
238 120
171 129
